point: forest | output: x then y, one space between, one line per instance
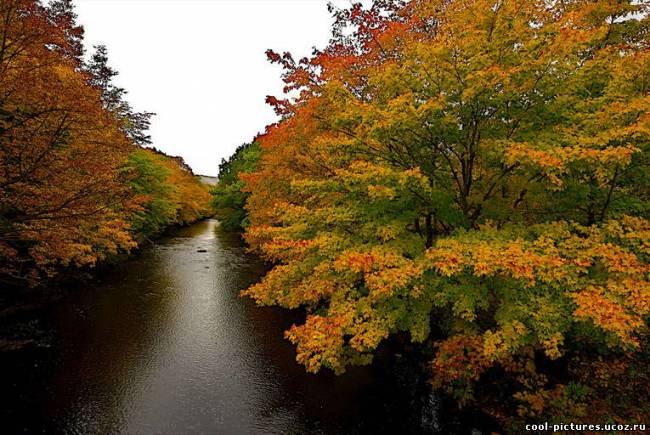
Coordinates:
77 185
469 179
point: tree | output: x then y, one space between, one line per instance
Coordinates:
149 181
75 186
228 199
169 194
471 164
61 193
134 124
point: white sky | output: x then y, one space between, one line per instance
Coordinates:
200 65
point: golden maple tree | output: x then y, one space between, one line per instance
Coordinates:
476 165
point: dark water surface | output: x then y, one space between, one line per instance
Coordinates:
164 344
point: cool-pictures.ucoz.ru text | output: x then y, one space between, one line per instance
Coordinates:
561 427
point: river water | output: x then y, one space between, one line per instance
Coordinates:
165 344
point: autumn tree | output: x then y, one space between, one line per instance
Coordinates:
167 192
75 186
478 165
61 197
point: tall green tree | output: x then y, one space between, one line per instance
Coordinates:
134 124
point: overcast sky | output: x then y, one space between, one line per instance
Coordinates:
200 65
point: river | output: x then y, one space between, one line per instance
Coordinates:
165 344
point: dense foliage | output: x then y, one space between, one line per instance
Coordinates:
168 193
228 199
74 183
479 166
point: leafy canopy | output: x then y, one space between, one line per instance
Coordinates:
478 165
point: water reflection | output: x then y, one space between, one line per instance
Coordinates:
166 345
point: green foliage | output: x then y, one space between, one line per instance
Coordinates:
149 182
167 194
228 199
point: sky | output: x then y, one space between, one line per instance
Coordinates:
200 64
